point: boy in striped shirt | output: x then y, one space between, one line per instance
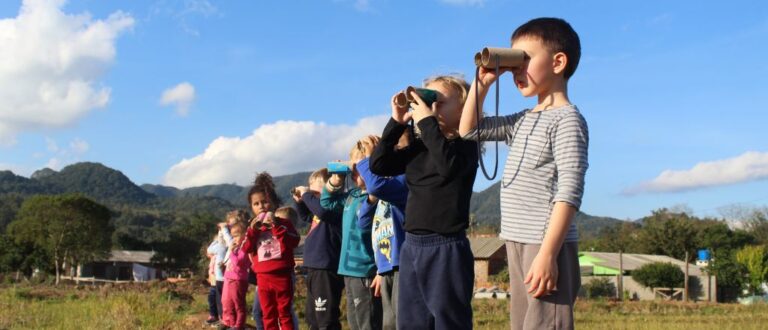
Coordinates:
543 179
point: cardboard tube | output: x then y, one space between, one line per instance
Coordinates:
404 99
427 95
401 100
507 57
478 59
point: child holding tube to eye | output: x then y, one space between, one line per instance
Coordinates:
356 262
322 247
543 179
436 276
273 240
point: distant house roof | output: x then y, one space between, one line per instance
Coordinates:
143 257
485 247
631 261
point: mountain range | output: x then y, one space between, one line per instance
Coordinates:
112 188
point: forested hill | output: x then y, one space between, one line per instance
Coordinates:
175 221
111 187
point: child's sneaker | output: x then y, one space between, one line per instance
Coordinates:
212 321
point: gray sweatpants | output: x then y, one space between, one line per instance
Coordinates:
363 309
389 300
554 311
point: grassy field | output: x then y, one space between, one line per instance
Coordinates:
183 306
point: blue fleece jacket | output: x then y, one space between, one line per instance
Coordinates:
386 218
356 258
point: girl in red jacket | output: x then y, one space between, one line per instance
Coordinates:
273 240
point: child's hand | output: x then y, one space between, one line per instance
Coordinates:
367 144
400 115
336 180
372 199
542 276
268 219
420 109
376 286
298 192
488 76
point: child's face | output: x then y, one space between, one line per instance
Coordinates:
448 107
237 235
358 179
536 76
260 203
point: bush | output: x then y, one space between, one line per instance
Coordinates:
600 287
659 275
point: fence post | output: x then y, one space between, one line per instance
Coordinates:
621 276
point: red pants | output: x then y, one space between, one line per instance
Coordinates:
276 297
233 303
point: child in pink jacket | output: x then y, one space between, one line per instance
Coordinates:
236 279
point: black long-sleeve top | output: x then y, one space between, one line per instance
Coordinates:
439 172
322 246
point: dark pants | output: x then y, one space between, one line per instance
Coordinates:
213 309
436 281
219 291
323 299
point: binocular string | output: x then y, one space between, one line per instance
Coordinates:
477 111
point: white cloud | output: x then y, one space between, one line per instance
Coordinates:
50 64
79 146
16 169
61 157
180 96
55 164
750 166
280 148
478 3
51 145
185 12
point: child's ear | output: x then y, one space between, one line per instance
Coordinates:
559 62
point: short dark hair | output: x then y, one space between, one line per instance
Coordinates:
557 35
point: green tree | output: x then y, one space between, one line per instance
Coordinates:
754 258
723 242
70 229
670 234
659 275
757 224
186 239
621 237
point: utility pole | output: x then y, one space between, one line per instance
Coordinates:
685 293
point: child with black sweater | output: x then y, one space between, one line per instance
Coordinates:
436 272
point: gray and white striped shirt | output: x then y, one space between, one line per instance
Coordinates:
546 163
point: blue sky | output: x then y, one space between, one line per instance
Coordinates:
672 91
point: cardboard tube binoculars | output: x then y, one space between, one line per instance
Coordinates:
490 57
258 221
338 168
403 99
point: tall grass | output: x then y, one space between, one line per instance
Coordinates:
88 308
184 306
